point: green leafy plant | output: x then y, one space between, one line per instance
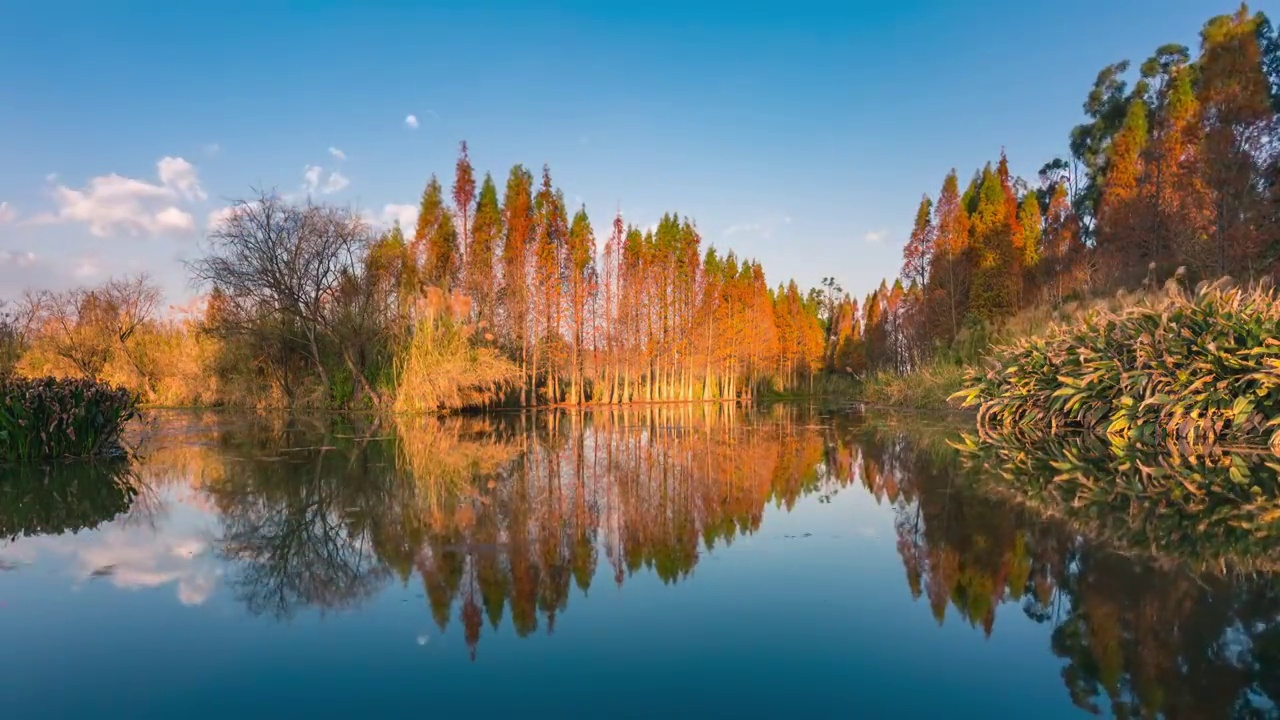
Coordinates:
49 418
1200 370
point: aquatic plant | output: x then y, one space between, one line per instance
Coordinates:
58 418
1201 369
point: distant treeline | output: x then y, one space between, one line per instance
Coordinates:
489 301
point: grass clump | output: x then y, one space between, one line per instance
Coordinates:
441 369
48 418
1199 369
926 388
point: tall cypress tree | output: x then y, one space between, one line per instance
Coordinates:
485 236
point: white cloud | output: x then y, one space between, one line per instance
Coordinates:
181 175
336 182
114 203
876 236
337 153
51 177
742 228
130 556
217 217
174 220
412 122
407 215
311 177
17 259
7 213
212 149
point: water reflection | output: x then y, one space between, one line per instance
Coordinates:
511 519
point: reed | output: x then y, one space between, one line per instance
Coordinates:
442 369
47 418
1199 369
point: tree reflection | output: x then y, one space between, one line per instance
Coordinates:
1140 635
506 518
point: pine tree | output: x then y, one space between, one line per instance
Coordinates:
950 276
917 254
1239 125
1062 246
1030 229
517 211
464 194
994 293
435 241
1120 211
581 252
485 237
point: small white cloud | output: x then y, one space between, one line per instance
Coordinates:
7 213
337 181
411 121
876 236
407 215
337 153
181 175
212 149
311 177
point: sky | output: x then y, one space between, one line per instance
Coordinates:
799 133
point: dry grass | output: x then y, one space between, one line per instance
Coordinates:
442 369
926 388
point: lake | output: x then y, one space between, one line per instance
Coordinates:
668 561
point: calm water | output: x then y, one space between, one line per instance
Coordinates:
676 562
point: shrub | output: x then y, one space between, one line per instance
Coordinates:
1202 370
56 418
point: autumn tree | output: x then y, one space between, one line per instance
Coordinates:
581 256
1239 125
464 193
486 234
917 254
435 240
517 248
950 269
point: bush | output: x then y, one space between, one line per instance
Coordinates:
1200 369
56 418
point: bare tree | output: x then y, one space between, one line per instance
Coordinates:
279 267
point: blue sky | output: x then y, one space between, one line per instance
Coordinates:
801 133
